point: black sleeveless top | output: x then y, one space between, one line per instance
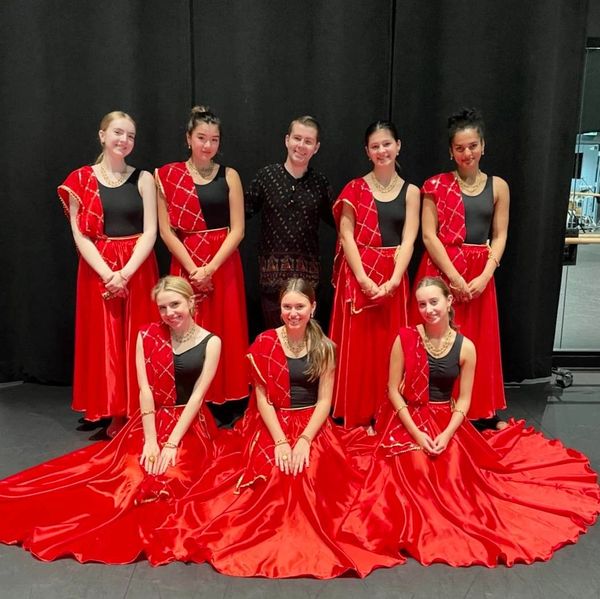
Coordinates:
214 200
444 371
188 366
479 211
302 391
123 207
391 216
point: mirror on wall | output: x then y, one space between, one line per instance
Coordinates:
578 321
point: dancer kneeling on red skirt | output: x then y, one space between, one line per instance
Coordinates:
102 503
437 489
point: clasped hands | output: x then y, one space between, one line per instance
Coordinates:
201 279
115 285
292 460
374 291
464 292
433 447
155 460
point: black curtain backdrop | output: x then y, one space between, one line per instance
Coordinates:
64 64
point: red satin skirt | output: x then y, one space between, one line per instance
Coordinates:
276 525
98 504
478 321
364 341
513 497
222 312
104 377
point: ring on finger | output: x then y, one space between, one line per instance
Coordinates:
285 458
152 459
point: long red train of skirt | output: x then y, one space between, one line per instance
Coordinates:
515 497
104 377
98 504
364 341
222 312
478 321
276 525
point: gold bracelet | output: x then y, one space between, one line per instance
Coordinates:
147 412
492 257
306 438
283 441
170 445
460 412
401 408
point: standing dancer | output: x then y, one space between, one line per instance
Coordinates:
201 218
462 210
378 220
112 209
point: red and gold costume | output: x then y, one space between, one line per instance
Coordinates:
276 525
511 497
98 503
223 310
362 329
104 378
477 318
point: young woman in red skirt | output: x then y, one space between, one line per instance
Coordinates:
437 489
112 209
201 220
464 223
378 219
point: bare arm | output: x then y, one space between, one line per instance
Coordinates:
301 451
269 416
167 234
236 222
145 243
396 375
89 252
168 453
435 248
463 402
351 253
499 235
405 249
151 450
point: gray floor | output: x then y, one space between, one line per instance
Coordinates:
578 319
36 424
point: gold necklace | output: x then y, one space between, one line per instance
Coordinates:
296 348
470 187
186 336
205 173
384 188
112 182
445 342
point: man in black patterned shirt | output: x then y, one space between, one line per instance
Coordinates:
292 198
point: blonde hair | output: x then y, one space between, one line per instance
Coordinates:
107 119
440 284
321 350
177 285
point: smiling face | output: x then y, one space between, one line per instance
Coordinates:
382 149
118 138
467 148
204 142
434 306
302 144
296 310
175 310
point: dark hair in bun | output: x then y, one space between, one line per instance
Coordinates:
203 114
467 118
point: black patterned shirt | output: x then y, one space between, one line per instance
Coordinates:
291 209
